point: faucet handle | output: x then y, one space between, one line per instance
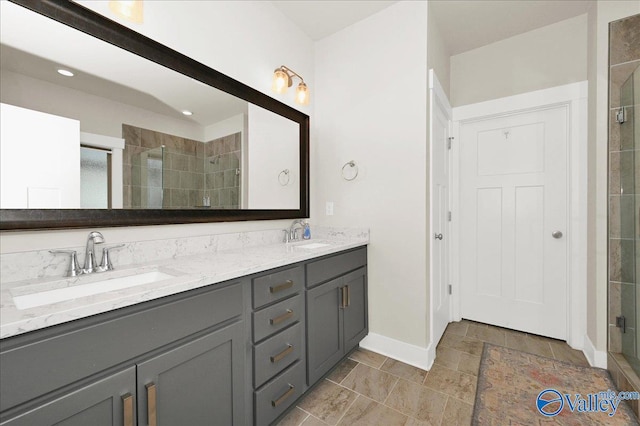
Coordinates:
287 238
74 267
106 259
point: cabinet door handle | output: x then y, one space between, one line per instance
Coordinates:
277 358
152 418
348 295
285 285
343 295
127 409
283 317
284 396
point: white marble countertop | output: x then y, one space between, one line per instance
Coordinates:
189 272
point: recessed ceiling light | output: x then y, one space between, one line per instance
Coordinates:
187 112
64 72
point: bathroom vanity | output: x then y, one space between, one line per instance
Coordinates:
240 351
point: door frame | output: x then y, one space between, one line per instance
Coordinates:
574 97
437 94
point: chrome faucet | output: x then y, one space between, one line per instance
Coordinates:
293 231
90 264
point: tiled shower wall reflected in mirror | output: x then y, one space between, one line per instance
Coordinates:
167 171
624 204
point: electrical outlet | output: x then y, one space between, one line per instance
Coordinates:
329 208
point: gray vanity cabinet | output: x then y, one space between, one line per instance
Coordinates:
105 402
198 383
179 359
336 310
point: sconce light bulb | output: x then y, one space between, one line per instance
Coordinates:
302 94
280 81
187 112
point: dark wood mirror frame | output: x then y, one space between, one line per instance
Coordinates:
98 26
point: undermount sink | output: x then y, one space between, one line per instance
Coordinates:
312 246
48 297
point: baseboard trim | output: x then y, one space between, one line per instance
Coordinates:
405 352
595 357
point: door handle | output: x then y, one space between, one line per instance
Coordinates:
438 236
152 419
127 409
556 234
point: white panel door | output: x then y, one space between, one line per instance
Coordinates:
439 175
513 201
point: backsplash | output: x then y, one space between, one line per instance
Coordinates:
16 267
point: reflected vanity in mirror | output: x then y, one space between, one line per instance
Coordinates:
139 135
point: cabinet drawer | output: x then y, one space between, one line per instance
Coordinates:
279 394
274 354
277 317
334 266
278 285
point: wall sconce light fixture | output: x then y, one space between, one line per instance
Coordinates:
130 10
283 79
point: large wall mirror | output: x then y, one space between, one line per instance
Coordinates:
139 135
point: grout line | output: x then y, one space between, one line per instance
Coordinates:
390 392
552 352
304 420
348 408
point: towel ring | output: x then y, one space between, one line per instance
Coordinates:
284 175
352 164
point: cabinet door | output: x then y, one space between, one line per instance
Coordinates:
324 329
198 383
101 403
355 313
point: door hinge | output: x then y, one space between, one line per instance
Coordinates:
620 116
449 216
621 322
449 139
450 290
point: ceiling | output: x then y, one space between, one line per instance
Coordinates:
464 24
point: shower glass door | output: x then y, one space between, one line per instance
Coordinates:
630 218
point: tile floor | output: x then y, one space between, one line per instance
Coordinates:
372 389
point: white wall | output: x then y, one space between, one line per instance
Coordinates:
40 160
371 107
546 57
438 55
246 40
273 146
600 15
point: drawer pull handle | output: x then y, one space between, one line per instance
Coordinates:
285 285
343 302
284 396
127 409
151 404
283 317
277 358
348 296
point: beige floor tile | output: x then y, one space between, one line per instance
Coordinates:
367 412
417 401
459 327
454 383
406 371
364 356
469 364
488 334
312 421
457 413
413 422
370 382
328 402
294 418
563 352
462 343
527 343
342 370
447 357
